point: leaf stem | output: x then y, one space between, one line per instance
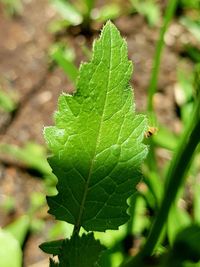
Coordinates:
171 7
174 178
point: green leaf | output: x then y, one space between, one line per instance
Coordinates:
7 103
178 219
165 138
64 58
185 251
109 11
186 245
68 11
89 4
193 26
19 228
10 250
149 9
97 141
190 4
80 251
37 161
53 247
13 7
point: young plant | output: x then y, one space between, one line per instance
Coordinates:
7 103
12 238
149 9
12 7
82 13
170 10
64 58
97 151
78 13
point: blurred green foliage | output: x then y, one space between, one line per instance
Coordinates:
149 9
12 7
7 103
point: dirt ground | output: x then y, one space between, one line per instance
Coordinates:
24 70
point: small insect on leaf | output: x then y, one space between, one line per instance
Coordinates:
151 131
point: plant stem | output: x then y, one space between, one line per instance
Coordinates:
175 178
171 7
133 201
176 175
88 8
76 230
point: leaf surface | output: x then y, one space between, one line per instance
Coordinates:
186 245
81 251
10 250
52 247
97 140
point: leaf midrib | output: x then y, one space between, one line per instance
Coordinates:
78 223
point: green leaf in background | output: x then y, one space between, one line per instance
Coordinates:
178 219
190 4
193 26
13 7
165 138
192 52
10 250
7 104
186 246
81 251
53 247
89 4
64 57
37 160
68 11
149 9
78 251
19 228
97 141
109 11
